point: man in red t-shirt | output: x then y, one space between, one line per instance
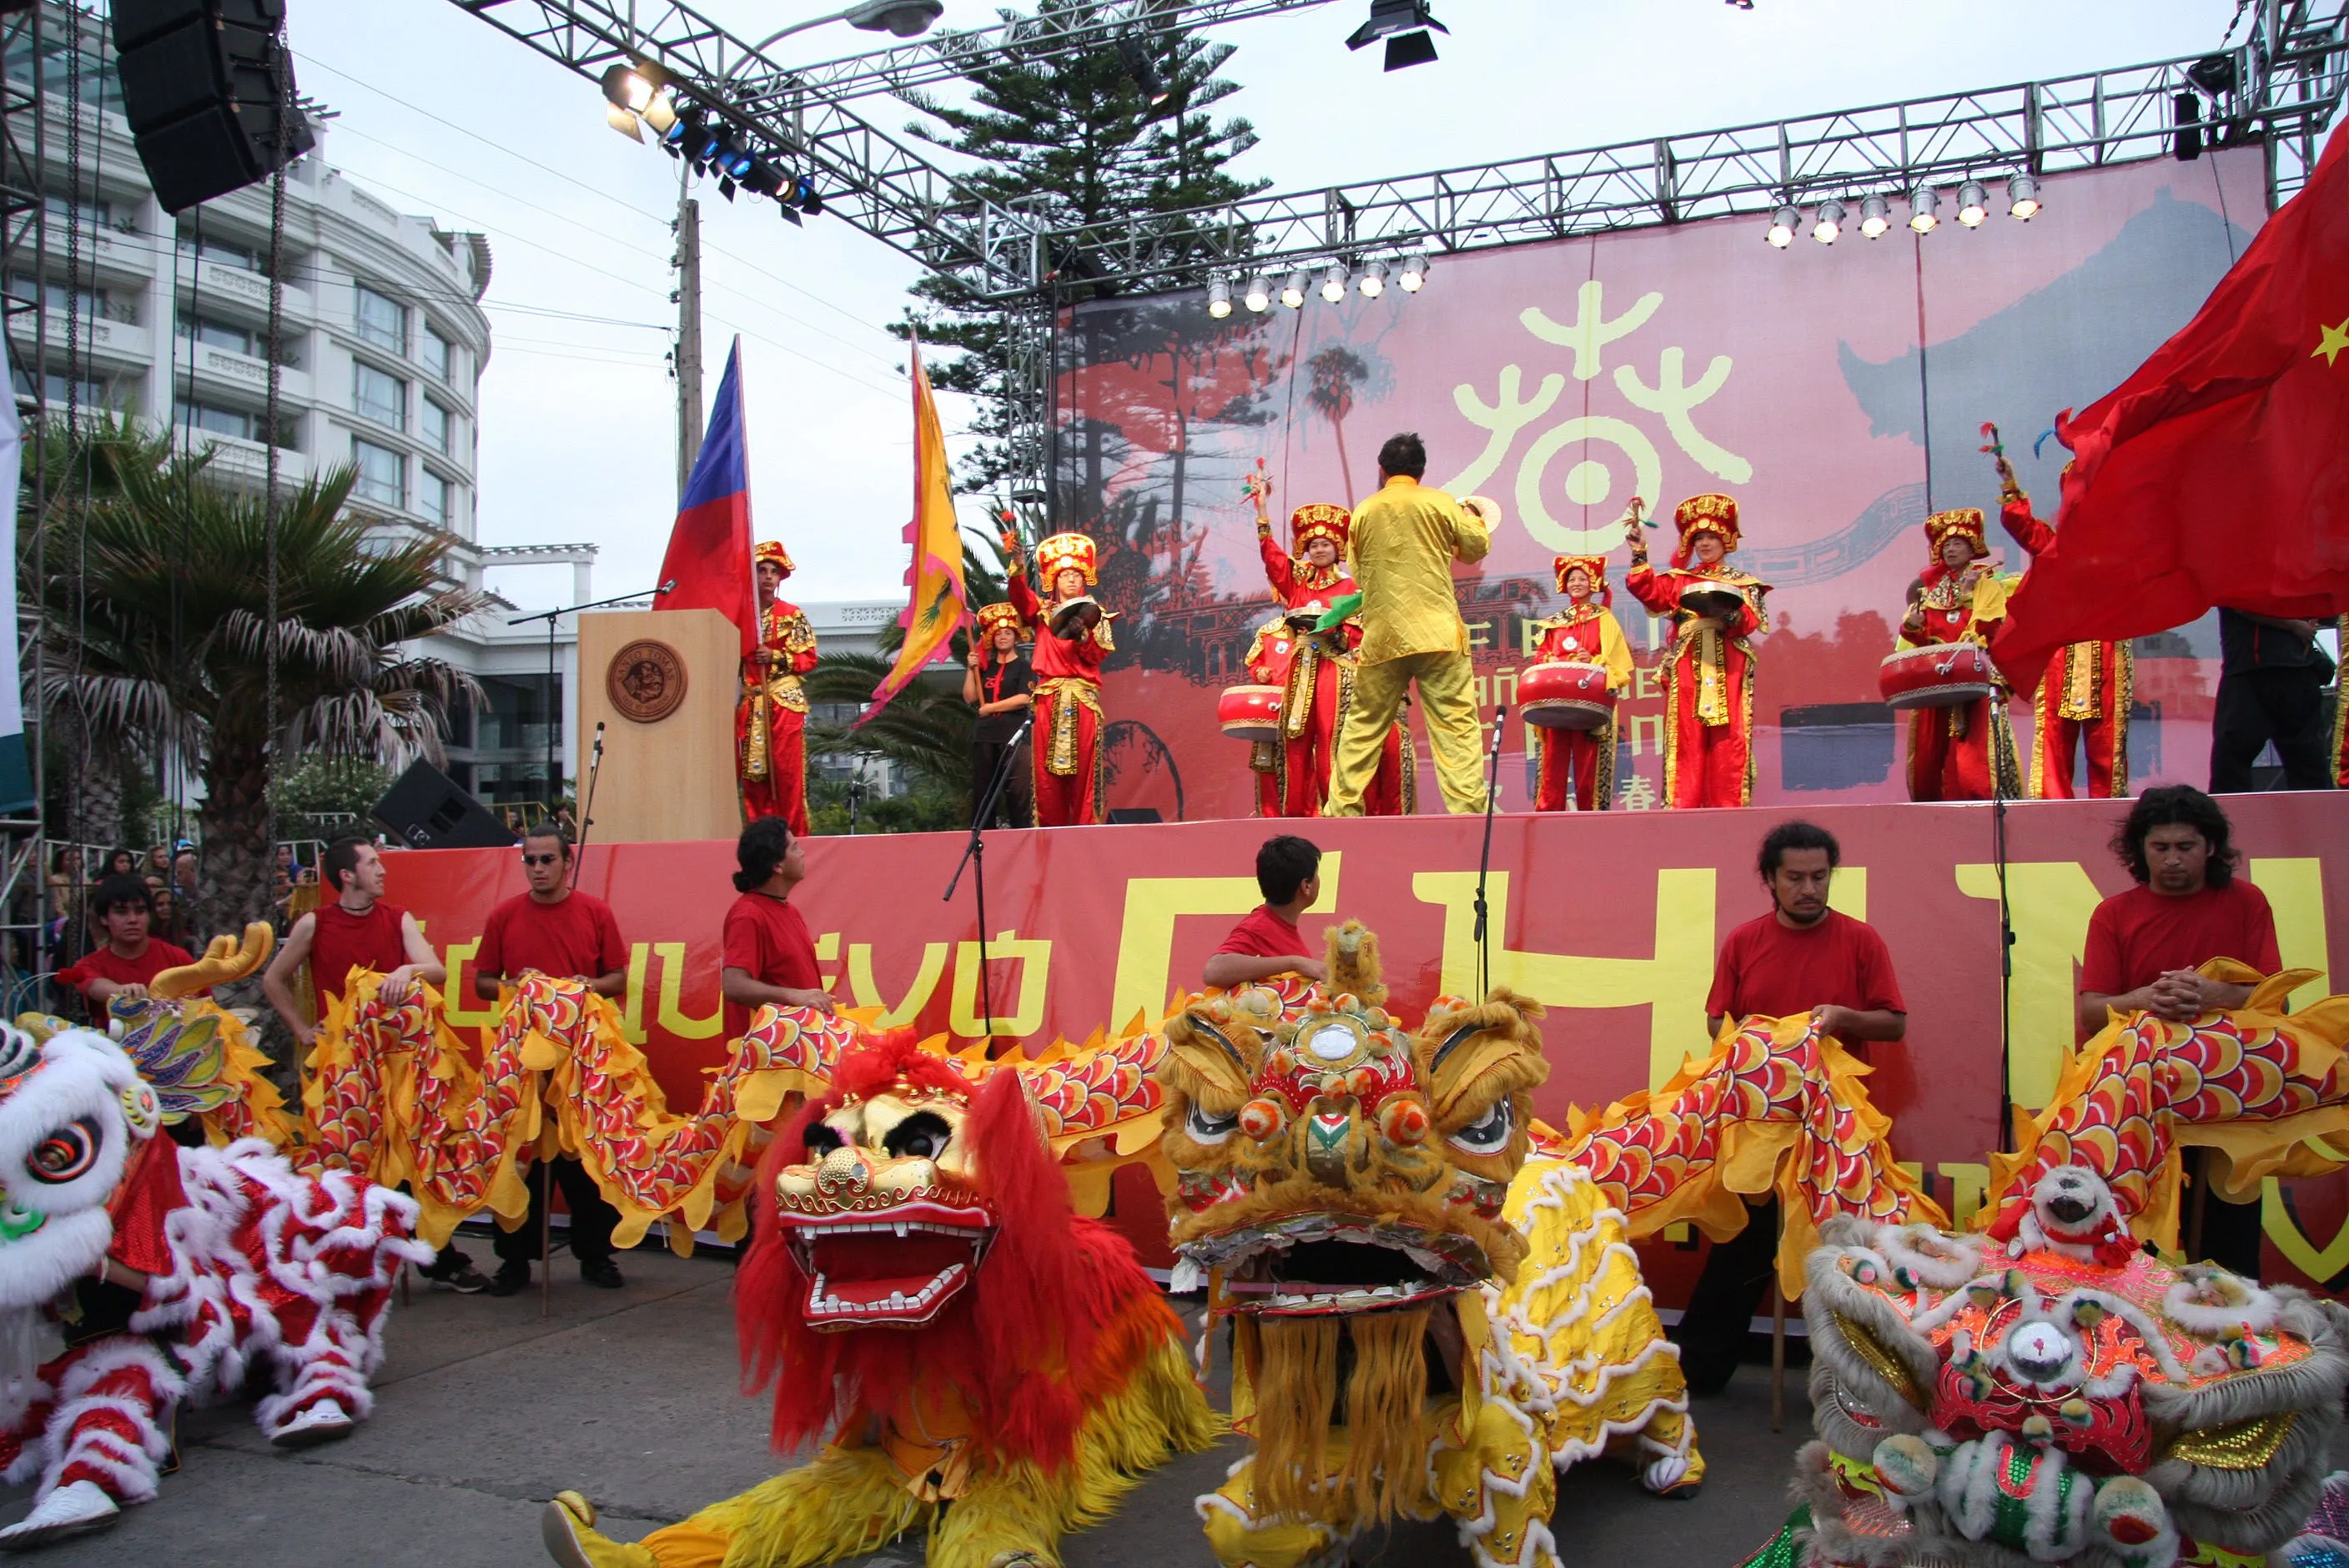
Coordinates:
124 907
2188 907
1801 957
564 934
359 929
1267 942
769 956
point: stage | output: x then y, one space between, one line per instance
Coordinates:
1610 920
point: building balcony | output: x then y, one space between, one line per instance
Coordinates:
113 253
224 368
246 293
242 462
109 344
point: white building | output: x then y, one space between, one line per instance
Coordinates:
381 346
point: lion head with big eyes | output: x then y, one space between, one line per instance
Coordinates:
1345 1176
72 1111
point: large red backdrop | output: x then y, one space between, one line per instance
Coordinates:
1611 921
1835 391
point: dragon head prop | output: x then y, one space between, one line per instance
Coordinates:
918 1259
2061 1397
1346 1177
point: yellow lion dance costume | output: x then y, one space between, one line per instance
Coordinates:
1378 1200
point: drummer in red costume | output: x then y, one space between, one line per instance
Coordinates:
1585 633
1708 671
1072 640
1315 669
770 719
2085 694
1965 751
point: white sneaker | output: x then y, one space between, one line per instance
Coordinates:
321 1423
73 1509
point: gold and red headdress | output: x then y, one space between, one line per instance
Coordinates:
1710 513
1319 519
1594 564
1062 550
1002 612
772 549
1965 522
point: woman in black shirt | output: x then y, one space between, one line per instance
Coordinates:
998 683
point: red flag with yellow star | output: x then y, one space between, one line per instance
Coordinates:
2218 472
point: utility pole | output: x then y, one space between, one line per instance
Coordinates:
689 332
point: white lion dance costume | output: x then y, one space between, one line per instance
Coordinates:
134 1274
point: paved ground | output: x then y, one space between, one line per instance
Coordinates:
485 1410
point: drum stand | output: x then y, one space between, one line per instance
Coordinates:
974 855
1485 861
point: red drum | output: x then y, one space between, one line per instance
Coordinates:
1939 674
1566 695
1251 713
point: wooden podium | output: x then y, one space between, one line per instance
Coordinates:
663 685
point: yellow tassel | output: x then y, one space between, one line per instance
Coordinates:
1386 1401
1296 1377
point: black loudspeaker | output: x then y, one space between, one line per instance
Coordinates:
209 92
428 811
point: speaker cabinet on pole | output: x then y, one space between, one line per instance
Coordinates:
206 87
427 810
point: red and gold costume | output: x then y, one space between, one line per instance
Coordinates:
1708 671
771 719
1067 736
1964 752
2085 696
1585 633
1316 672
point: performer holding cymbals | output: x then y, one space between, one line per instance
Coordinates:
1072 640
1317 668
1709 673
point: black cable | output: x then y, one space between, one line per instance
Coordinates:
1485 861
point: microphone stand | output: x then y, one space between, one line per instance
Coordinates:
587 807
2005 954
974 856
1485 861
552 619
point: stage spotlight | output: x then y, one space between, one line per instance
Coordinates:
1924 213
1973 204
810 201
621 120
1142 72
1259 297
734 161
1875 217
1219 298
627 88
1292 292
1783 224
1404 25
1414 276
1374 279
762 179
1831 224
1333 282
2023 198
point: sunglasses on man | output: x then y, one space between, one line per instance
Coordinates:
547 860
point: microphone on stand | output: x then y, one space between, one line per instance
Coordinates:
1485 861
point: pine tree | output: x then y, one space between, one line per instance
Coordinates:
1073 141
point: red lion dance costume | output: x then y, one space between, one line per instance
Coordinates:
135 1273
1315 670
1068 661
1964 752
770 719
1587 632
986 1365
1709 673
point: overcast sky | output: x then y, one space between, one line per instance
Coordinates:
441 114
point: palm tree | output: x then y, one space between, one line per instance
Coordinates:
170 635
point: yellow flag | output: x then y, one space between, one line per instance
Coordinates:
937 605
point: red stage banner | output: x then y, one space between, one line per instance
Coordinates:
1611 921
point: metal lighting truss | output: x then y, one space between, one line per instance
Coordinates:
2280 86
2284 95
801 117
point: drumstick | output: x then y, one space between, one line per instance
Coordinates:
2007 490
